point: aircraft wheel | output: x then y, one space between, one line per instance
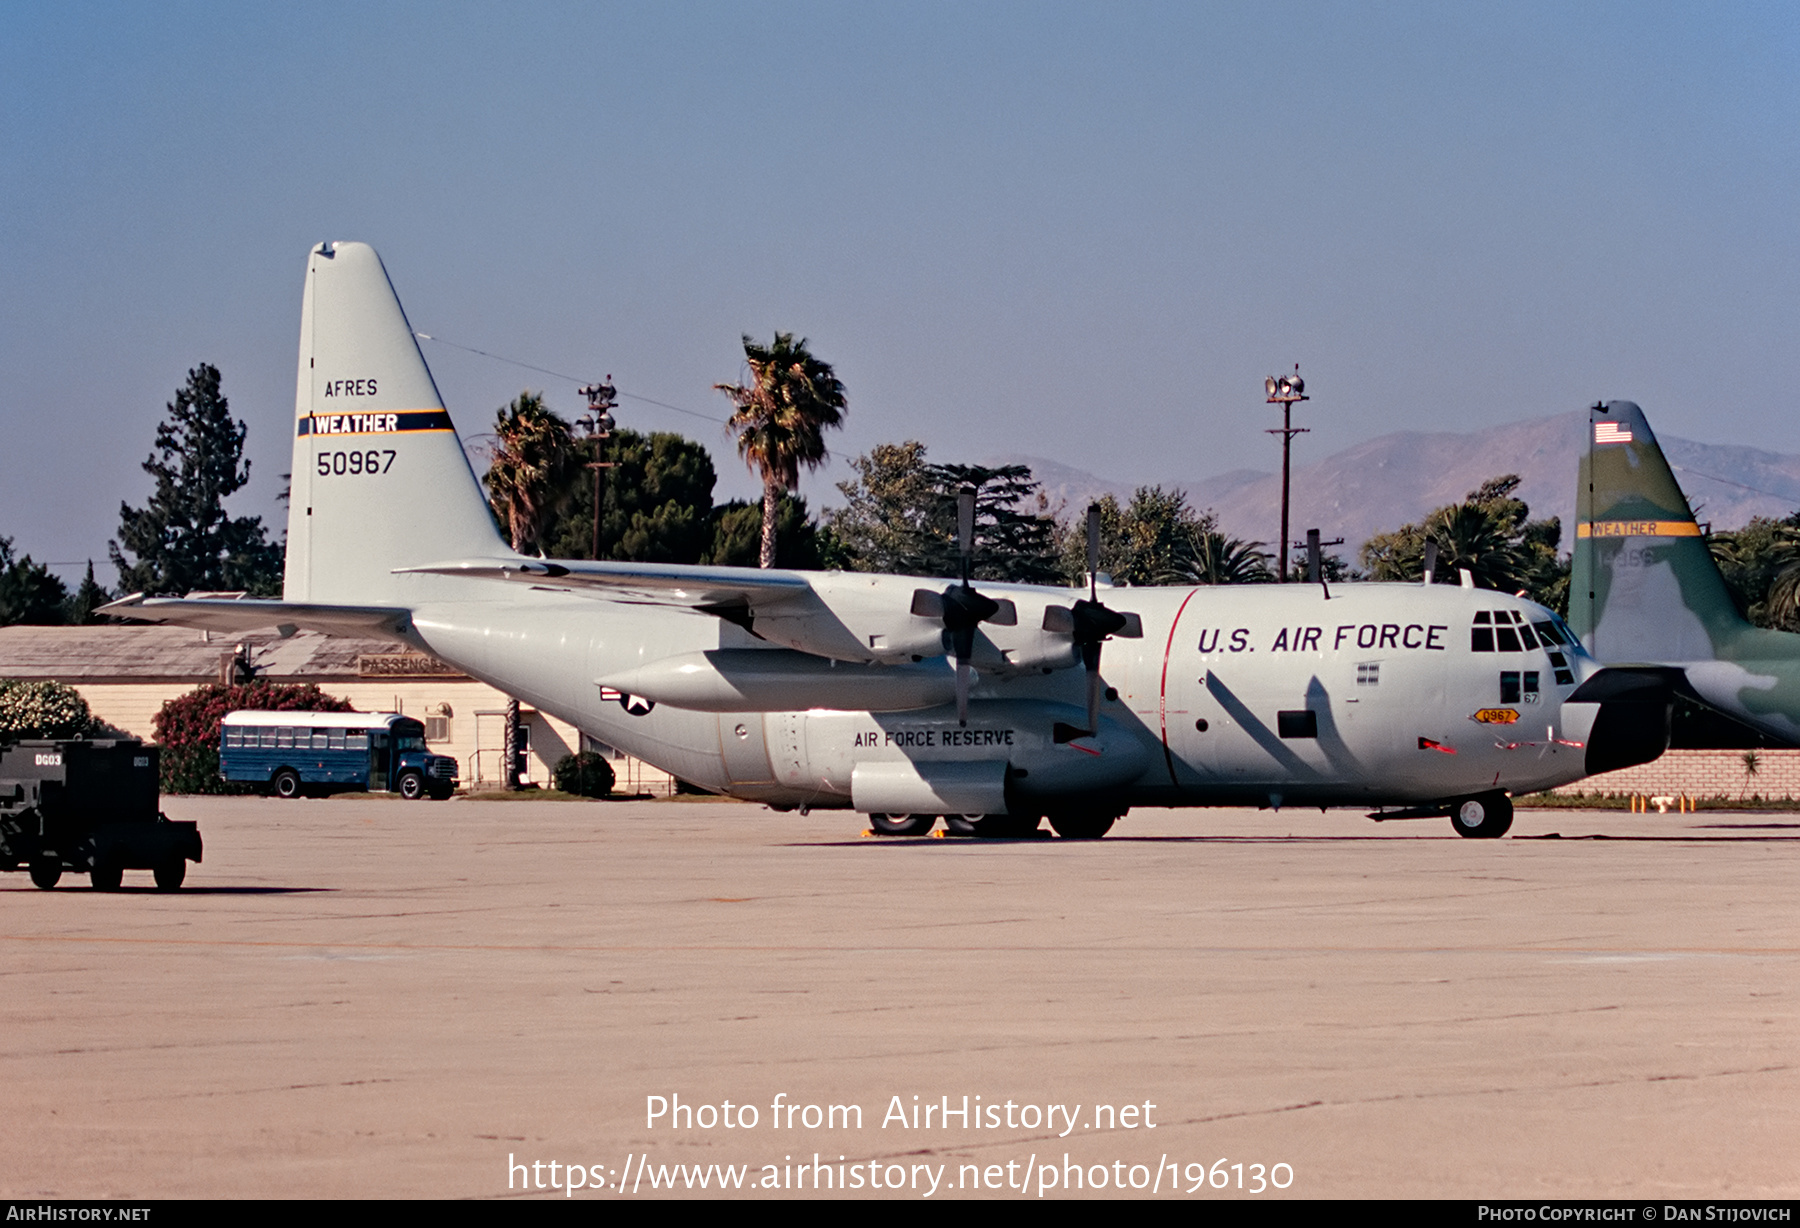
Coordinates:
286 783
1486 816
1082 825
106 875
411 786
169 874
901 824
45 873
991 826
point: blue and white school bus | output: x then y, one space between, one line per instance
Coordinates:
292 753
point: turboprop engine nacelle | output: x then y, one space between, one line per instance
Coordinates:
854 617
777 680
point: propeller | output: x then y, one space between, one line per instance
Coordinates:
1090 623
960 608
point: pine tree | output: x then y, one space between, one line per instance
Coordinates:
86 599
182 539
29 593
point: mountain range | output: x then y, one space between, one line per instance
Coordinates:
1380 485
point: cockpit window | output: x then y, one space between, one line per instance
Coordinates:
1509 631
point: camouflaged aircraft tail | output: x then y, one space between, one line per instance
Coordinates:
1644 587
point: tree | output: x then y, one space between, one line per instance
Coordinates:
182 539
737 536
527 480
780 419
1490 535
1761 566
1159 539
530 471
29 593
1008 544
900 516
79 609
655 502
883 519
1218 559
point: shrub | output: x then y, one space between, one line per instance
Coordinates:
585 775
187 728
43 710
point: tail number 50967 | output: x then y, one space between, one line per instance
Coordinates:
339 463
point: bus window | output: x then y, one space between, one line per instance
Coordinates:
335 740
268 737
356 739
321 739
284 738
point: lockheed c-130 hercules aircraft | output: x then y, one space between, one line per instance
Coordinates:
908 699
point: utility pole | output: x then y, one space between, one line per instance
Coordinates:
602 399
1284 391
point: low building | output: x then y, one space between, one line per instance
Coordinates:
127 673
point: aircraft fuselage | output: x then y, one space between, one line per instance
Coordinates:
1370 695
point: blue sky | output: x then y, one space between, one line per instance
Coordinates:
1078 231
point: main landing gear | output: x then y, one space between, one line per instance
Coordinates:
1486 816
1070 825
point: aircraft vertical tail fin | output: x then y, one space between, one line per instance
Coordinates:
1644 586
380 480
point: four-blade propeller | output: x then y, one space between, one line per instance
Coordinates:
962 610
960 607
1090 624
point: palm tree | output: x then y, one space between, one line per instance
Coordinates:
527 480
532 460
780 419
1218 559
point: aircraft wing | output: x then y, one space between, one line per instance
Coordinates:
233 615
705 588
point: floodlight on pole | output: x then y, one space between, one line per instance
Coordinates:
1284 390
602 399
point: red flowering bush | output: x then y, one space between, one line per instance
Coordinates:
187 728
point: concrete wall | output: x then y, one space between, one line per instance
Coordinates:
1701 773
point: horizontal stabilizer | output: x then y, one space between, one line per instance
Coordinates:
233 615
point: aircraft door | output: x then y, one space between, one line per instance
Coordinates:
746 748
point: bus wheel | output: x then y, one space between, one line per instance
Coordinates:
45 873
286 783
169 874
411 786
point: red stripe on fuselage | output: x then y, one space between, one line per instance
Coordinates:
1162 697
